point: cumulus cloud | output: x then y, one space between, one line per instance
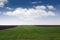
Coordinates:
9 8
3 2
30 13
50 7
40 7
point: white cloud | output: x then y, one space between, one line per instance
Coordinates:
40 7
30 13
50 7
36 2
3 2
9 8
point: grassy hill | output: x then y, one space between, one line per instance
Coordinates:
30 33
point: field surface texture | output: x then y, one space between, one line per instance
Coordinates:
30 33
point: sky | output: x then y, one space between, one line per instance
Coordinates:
29 12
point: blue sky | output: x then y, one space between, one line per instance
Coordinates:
29 12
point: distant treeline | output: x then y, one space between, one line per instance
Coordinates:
6 26
48 25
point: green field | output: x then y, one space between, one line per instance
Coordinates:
30 33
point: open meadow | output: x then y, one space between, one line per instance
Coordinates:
30 32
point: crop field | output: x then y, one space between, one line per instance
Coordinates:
30 32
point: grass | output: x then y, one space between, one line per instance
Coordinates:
30 33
